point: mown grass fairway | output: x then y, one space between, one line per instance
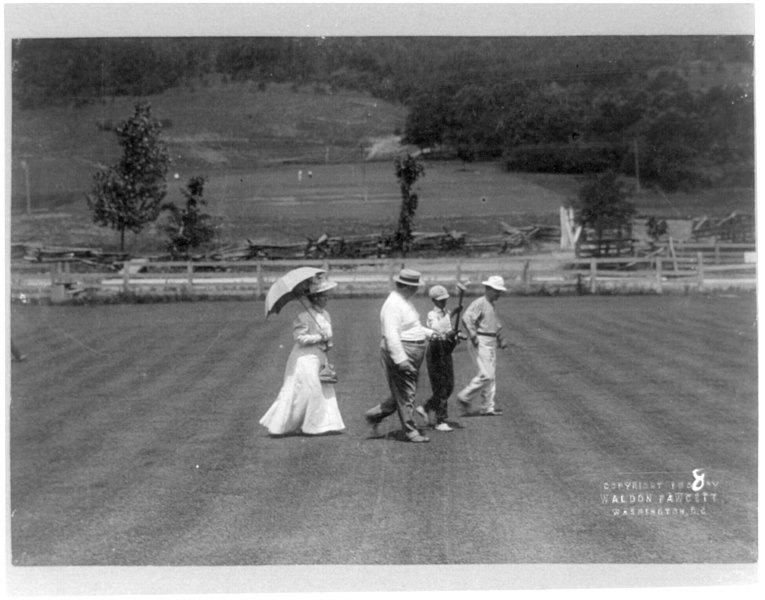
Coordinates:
134 440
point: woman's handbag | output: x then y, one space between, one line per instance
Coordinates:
327 373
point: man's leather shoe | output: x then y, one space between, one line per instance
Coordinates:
374 424
493 413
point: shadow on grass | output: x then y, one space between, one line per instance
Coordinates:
400 436
470 415
292 434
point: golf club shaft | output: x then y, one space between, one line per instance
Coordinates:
456 326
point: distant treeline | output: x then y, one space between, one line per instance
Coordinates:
675 110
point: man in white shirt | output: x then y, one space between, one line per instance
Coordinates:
402 350
485 334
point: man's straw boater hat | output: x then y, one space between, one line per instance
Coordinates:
408 277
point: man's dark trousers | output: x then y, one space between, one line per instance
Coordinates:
438 357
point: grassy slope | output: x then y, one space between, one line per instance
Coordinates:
229 132
215 130
218 126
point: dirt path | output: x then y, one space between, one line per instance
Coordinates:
134 441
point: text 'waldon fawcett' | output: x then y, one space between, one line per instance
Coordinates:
661 497
671 498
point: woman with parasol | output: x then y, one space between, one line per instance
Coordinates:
306 402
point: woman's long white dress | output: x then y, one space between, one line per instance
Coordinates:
305 403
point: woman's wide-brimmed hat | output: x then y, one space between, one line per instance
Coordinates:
320 284
408 277
495 282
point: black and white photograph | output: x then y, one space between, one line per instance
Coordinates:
380 298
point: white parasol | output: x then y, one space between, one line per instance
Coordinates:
289 286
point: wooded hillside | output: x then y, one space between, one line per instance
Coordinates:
677 111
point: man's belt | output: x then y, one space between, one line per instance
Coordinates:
421 342
486 333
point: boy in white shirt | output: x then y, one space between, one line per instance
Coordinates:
438 357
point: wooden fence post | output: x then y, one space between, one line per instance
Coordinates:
659 286
672 253
190 272
260 279
126 276
700 269
593 275
57 289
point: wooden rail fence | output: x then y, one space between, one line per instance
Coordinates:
658 272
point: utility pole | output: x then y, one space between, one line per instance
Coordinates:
364 179
637 165
25 166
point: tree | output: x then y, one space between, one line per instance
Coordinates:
673 145
466 153
188 228
128 195
426 119
408 170
656 229
602 205
482 115
467 122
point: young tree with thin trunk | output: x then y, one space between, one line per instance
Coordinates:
188 228
128 195
408 170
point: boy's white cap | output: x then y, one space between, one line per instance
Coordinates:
438 292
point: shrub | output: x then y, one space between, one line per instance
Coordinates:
575 159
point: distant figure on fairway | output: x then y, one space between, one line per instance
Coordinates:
305 402
16 353
438 357
485 334
402 351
